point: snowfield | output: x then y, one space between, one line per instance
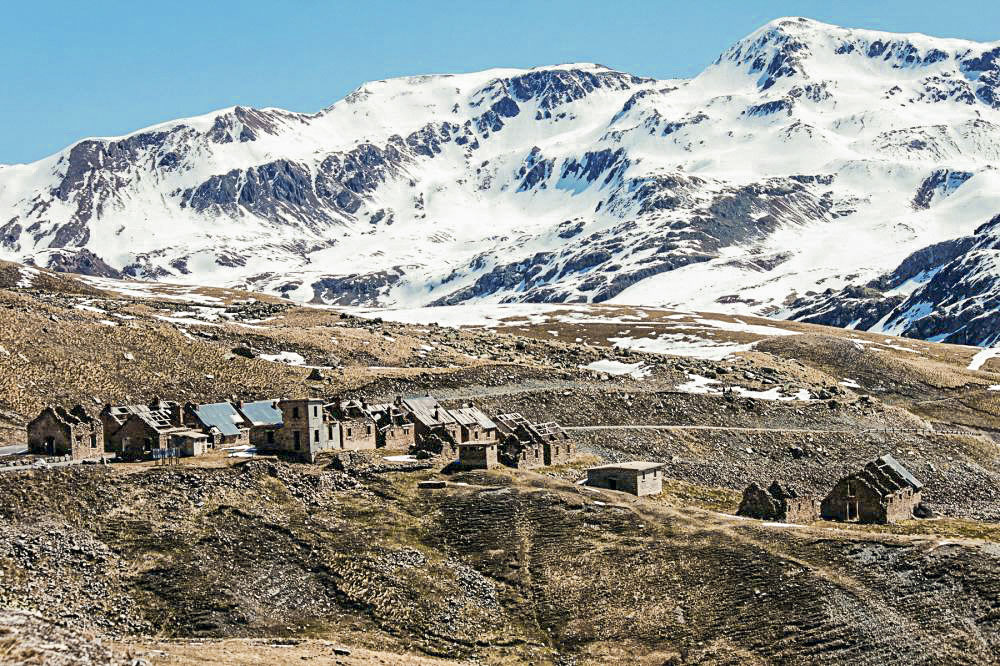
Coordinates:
808 161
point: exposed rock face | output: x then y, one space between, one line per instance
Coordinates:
29 638
81 261
948 292
354 289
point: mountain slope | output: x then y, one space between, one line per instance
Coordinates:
807 163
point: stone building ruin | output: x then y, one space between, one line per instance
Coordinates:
357 426
778 503
134 432
883 491
526 445
394 426
74 433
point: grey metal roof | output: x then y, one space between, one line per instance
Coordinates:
424 409
261 413
891 462
221 415
635 466
467 416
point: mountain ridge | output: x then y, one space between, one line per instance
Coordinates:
807 163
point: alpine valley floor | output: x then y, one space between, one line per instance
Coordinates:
254 561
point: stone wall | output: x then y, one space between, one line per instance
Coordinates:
398 436
631 481
801 510
357 434
559 451
473 456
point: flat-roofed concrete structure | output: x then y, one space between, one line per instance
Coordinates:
478 455
638 478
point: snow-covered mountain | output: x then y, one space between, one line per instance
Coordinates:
839 175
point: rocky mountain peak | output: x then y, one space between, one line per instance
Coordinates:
810 165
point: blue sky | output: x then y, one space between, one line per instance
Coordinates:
73 68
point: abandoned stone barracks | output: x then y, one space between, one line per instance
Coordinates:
300 429
882 491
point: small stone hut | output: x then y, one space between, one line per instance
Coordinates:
638 478
778 502
74 433
883 491
190 442
477 455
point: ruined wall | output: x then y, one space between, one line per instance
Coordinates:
522 455
901 504
853 500
263 438
357 434
801 510
558 451
398 436
758 503
135 439
49 436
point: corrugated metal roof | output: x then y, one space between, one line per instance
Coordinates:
889 461
471 415
221 415
427 410
261 413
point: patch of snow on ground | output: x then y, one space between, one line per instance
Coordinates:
704 385
186 321
743 327
677 344
474 314
27 277
616 368
400 458
291 358
698 384
982 356
850 383
993 387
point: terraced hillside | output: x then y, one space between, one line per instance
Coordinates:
263 561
